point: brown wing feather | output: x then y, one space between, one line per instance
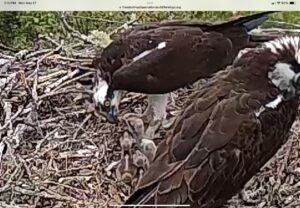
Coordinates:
187 55
194 50
205 164
133 42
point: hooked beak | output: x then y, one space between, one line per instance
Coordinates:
112 115
109 113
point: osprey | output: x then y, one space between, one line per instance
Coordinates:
227 131
158 58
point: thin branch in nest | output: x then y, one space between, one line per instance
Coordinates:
12 205
61 80
68 186
5 81
17 135
9 182
21 54
47 38
24 82
7 62
75 66
45 194
47 137
8 122
110 167
35 83
4 47
2 149
24 164
7 109
81 126
72 59
73 80
58 118
45 78
65 91
61 110
38 53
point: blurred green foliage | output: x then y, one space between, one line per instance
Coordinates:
19 29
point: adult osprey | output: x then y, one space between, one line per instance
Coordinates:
228 130
158 58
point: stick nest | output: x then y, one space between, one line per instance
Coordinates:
56 153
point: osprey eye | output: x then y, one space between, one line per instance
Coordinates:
297 80
106 103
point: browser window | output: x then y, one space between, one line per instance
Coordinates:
149 103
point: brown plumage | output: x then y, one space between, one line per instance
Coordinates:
190 50
227 131
159 58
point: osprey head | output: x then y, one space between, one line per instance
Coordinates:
105 99
286 72
280 59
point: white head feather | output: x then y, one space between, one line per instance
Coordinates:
100 91
279 44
